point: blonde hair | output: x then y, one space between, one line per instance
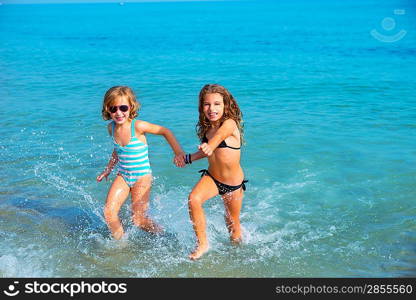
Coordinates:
116 92
231 109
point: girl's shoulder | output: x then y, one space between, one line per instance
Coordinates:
230 124
140 125
232 128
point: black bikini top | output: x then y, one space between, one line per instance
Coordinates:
223 144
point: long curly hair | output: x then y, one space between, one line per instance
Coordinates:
231 109
115 93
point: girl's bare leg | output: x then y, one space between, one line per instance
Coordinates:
202 191
232 203
140 195
116 196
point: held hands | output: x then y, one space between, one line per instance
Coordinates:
206 149
179 160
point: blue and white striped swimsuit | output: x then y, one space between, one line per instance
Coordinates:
133 160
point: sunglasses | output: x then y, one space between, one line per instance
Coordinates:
122 108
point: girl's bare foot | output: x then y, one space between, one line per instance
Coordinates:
199 251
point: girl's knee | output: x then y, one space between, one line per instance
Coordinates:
194 201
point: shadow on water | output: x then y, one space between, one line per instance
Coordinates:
79 222
75 218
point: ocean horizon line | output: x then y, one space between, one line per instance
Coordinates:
107 2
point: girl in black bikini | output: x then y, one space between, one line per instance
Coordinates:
220 131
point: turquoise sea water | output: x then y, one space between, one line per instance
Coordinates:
330 130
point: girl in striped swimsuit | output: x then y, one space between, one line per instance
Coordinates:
131 154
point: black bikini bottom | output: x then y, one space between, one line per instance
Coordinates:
222 187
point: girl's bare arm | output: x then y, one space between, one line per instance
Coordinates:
110 166
146 127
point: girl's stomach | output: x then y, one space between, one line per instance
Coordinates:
227 171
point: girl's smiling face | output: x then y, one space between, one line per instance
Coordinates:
213 107
116 110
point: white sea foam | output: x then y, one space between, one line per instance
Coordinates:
53 175
9 266
20 266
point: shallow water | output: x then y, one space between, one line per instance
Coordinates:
329 127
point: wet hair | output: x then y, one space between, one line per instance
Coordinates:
231 109
115 93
